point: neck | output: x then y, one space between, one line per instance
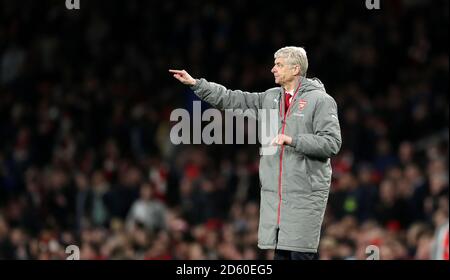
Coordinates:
291 86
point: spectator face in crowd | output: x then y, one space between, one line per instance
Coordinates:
146 192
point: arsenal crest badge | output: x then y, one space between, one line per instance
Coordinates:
301 104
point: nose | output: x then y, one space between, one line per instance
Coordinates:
273 69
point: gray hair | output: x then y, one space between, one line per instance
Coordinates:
294 56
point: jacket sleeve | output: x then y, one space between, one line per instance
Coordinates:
221 98
326 140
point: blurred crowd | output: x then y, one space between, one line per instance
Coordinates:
85 100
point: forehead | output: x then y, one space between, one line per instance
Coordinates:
280 60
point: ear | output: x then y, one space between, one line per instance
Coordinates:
297 70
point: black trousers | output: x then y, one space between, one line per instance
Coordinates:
292 255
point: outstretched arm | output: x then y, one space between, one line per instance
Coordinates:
219 96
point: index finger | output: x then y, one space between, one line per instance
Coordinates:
175 71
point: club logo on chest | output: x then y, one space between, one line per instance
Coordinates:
301 104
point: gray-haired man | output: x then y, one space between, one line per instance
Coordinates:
295 181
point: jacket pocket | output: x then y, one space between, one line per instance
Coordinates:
296 175
268 175
319 173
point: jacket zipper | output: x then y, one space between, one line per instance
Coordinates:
281 171
281 154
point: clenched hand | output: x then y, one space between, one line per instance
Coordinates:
282 139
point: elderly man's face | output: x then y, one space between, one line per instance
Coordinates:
283 72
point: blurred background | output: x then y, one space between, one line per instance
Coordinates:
85 100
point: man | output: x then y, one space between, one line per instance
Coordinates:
295 181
